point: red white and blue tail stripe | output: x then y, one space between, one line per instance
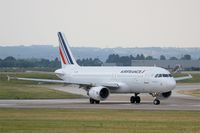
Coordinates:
65 52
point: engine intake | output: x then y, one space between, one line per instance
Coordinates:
164 95
98 93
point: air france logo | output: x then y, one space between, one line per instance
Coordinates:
132 71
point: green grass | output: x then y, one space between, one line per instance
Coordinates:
195 92
97 121
29 90
195 78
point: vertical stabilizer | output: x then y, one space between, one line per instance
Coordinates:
65 52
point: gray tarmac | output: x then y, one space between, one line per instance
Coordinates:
115 101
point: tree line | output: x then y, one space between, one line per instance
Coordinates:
126 60
27 63
10 62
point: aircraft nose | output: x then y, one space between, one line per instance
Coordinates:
172 83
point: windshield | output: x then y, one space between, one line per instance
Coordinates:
163 75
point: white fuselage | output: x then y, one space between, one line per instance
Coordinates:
130 79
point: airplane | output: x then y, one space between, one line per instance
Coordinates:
100 82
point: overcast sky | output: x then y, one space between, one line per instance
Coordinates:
101 23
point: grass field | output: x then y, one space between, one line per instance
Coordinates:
195 78
195 92
29 90
97 121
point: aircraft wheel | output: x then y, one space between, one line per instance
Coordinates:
97 101
137 99
92 101
132 99
156 102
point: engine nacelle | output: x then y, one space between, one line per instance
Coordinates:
98 93
164 95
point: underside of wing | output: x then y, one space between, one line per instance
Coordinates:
110 85
86 85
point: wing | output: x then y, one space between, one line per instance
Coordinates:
111 85
183 78
38 80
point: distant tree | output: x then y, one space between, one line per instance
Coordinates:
44 63
149 58
97 62
29 63
25 63
9 58
137 57
89 62
162 57
55 63
173 58
131 57
124 60
0 62
186 57
140 57
113 58
9 62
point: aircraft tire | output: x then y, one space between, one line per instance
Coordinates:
132 99
156 102
97 101
92 101
137 99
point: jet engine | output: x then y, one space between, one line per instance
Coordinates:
98 93
164 95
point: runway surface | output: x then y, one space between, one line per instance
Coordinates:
115 101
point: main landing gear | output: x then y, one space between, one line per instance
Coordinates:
93 101
135 99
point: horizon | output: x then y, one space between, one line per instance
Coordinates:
50 51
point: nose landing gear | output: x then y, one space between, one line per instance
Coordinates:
156 102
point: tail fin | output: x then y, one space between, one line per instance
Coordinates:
65 52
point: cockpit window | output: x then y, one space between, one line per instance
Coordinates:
156 75
163 75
